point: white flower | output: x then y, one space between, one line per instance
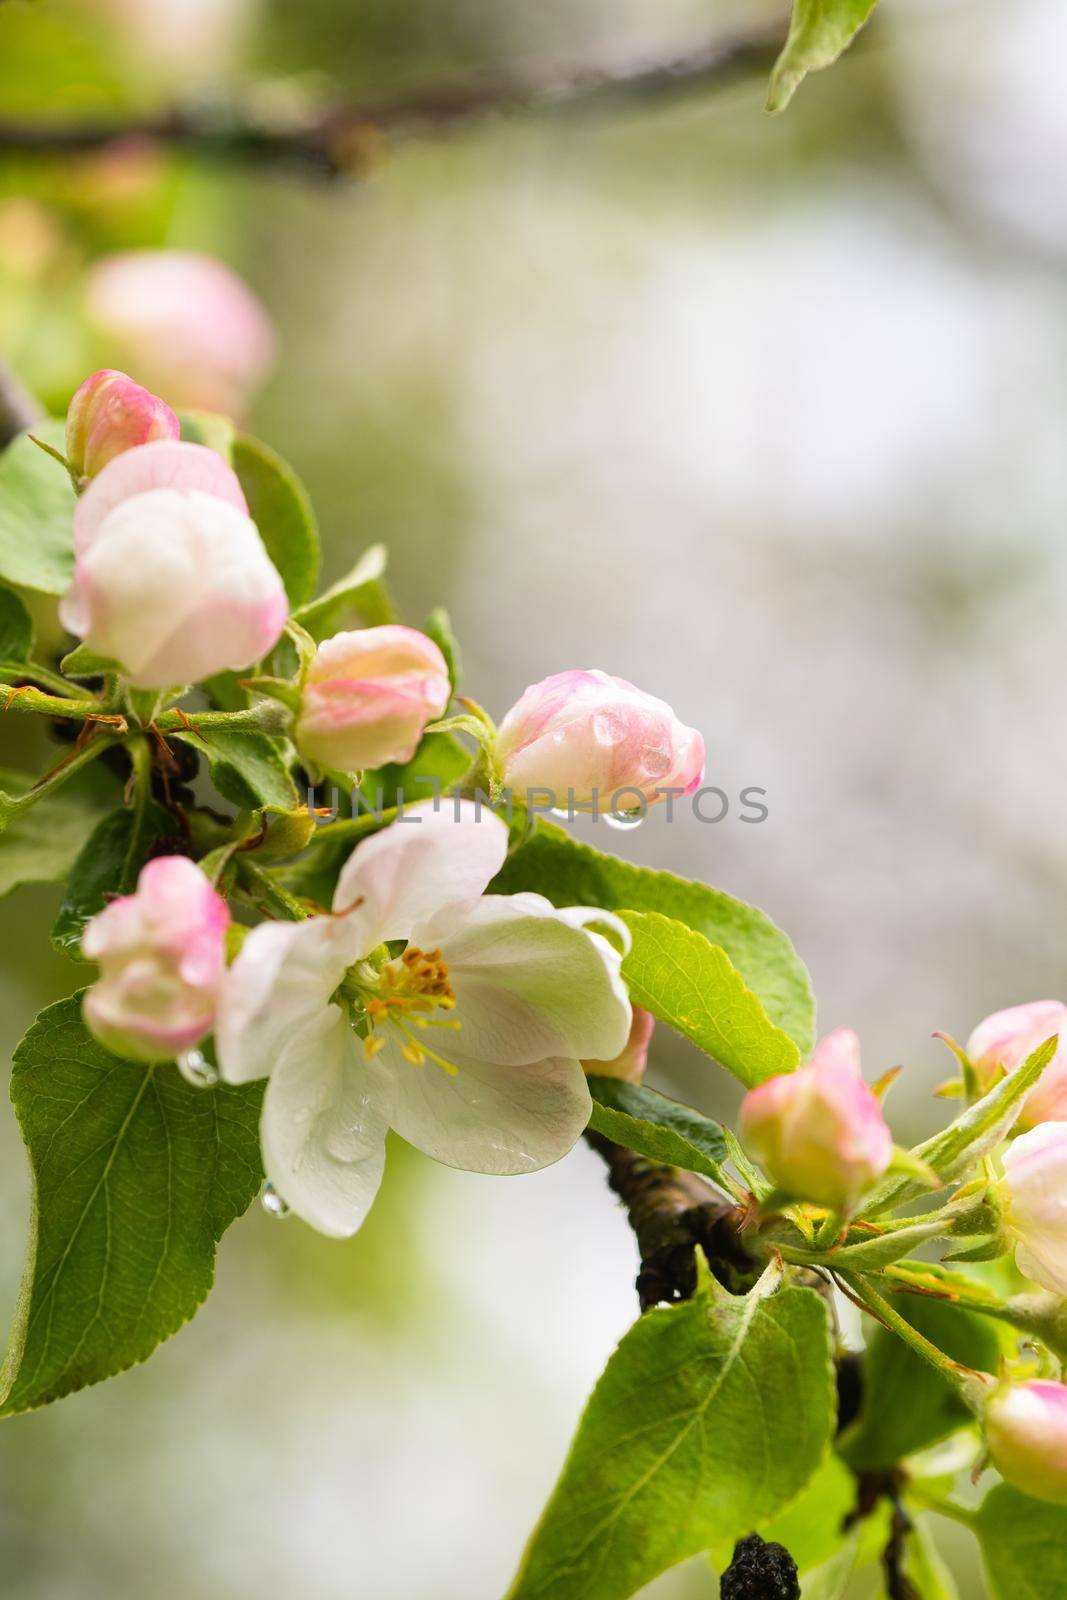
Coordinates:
467 1041
1034 1198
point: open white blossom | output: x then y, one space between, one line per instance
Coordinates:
466 1035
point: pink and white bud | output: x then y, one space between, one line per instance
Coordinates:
587 737
185 322
162 956
631 1062
819 1133
110 414
1033 1202
1004 1040
368 695
1026 1431
171 579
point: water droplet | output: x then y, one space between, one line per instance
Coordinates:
562 813
196 1069
609 728
272 1202
624 820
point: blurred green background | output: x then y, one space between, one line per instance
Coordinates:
765 415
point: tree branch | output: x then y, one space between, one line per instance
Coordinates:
338 139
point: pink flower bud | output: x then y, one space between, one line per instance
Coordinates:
1004 1040
819 1132
185 322
630 1063
171 579
597 736
367 697
162 956
1033 1198
109 414
1026 1431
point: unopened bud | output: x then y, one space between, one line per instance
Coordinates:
1026 1431
1004 1040
367 697
109 414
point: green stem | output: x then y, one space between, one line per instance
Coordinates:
961 1378
925 1500
29 671
26 699
267 717
270 892
13 806
1042 1315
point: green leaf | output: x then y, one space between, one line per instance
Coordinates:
137 1175
36 514
108 865
830 1580
209 428
1024 1544
280 508
248 768
359 599
571 874
656 1127
818 32
692 985
924 1566
16 628
85 663
907 1404
438 627
708 1419
42 844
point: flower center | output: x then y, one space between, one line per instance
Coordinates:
404 993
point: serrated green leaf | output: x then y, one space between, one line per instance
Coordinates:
708 1419
279 506
661 1129
42 844
137 1175
359 599
907 1404
16 628
693 986
1024 1545
109 864
36 514
572 874
248 768
818 32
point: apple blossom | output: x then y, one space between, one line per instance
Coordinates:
367 696
1026 1431
597 736
185 322
163 464
468 1043
1033 1198
110 414
162 955
631 1061
1003 1041
819 1132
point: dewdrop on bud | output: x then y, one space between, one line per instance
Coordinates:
1026 1431
162 956
110 414
1003 1041
630 1063
1033 1203
586 737
819 1132
368 695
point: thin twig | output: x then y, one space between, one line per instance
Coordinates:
336 139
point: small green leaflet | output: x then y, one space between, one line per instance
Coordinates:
1024 1543
359 599
279 506
571 874
438 627
656 1127
16 629
691 985
109 864
709 1418
36 514
137 1175
42 844
248 768
818 32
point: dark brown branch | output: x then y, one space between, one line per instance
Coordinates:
349 138
672 1214
18 409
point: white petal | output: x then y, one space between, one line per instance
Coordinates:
487 1118
434 858
282 978
325 1117
528 983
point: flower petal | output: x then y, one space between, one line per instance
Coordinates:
487 1118
282 979
436 856
528 982
325 1118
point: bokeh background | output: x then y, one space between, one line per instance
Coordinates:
766 415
